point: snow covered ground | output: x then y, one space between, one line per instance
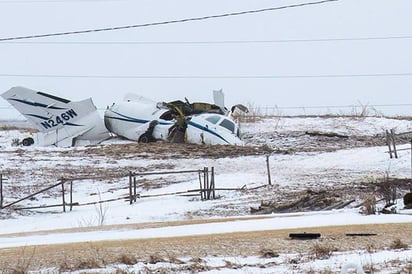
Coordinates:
353 162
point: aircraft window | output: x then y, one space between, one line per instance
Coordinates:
213 119
228 124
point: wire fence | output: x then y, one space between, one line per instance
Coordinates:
206 191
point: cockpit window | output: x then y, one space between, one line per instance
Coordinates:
228 124
213 119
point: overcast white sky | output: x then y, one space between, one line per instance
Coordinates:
340 19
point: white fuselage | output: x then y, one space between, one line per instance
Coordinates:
131 119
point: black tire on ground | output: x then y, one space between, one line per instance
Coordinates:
143 139
27 141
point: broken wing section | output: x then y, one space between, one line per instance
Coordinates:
60 122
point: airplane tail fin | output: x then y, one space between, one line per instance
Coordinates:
57 117
219 99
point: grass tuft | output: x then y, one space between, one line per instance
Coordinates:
398 244
322 252
268 253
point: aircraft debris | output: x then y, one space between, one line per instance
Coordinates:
140 119
60 122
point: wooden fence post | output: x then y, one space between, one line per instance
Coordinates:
63 198
268 168
130 187
71 195
394 143
388 142
206 188
212 183
202 187
135 189
200 183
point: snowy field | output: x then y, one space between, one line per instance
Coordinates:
344 156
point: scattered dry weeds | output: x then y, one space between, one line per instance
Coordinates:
84 255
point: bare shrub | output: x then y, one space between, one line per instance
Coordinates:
369 206
388 190
127 259
95 259
22 266
101 211
322 252
360 111
398 244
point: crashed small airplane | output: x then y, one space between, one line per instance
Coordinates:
143 120
59 121
64 123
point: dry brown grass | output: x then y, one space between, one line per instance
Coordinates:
79 255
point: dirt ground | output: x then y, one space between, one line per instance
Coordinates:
97 254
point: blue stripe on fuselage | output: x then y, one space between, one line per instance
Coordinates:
207 130
141 121
134 120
